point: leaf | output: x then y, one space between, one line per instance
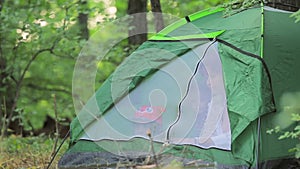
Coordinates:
270 131
285 135
296 117
297 154
296 150
296 15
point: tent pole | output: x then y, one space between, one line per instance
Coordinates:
262 30
258 143
262 56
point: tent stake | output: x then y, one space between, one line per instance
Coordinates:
152 147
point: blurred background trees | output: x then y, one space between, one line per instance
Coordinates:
40 41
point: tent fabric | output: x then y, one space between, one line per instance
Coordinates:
281 54
259 63
165 90
177 48
106 98
244 27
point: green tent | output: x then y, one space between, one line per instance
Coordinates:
206 87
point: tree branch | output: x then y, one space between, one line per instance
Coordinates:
19 80
19 84
62 56
36 87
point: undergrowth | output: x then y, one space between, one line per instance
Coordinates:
28 153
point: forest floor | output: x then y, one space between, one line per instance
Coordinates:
28 152
36 152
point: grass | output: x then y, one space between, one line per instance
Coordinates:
35 153
28 153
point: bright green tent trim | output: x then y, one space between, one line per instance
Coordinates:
172 27
203 13
183 21
186 37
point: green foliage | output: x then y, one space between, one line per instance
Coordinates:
294 134
296 15
182 8
40 47
238 5
110 61
174 164
29 152
40 42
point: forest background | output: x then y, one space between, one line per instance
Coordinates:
40 41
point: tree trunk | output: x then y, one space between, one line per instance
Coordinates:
289 5
83 21
8 90
157 12
3 76
2 85
138 26
1 4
